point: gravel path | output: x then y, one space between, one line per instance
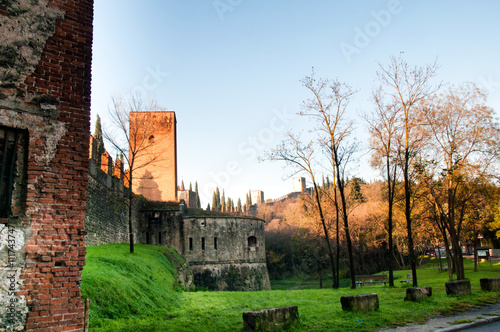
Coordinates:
473 317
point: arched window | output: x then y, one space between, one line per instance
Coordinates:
252 241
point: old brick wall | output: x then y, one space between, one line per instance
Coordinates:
158 180
45 75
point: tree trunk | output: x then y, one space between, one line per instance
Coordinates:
408 218
337 280
454 236
325 230
346 226
474 248
390 193
130 230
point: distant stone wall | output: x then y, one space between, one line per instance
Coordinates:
224 253
106 219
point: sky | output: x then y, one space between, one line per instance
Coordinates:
231 70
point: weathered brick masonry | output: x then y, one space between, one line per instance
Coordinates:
45 75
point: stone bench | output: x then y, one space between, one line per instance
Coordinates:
417 294
360 303
490 284
459 287
270 319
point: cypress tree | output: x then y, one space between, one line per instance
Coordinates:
99 139
217 199
239 204
355 194
198 203
223 201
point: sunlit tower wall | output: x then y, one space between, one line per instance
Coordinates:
299 185
155 173
257 197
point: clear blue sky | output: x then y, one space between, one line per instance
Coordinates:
230 69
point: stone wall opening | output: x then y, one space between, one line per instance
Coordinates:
13 154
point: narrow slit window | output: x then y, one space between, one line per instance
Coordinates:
190 243
202 243
215 243
159 237
13 161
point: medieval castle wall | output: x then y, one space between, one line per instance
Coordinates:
224 253
106 220
45 69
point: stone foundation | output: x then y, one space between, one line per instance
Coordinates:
232 277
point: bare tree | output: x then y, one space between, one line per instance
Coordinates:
464 145
385 130
328 106
130 136
301 157
406 88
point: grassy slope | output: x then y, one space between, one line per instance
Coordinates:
319 309
120 284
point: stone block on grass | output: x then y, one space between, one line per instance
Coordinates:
360 303
270 319
459 287
417 294
490 284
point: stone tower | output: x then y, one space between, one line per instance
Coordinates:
157 180
257 197
299 185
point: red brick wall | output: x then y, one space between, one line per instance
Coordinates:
157 180
52 101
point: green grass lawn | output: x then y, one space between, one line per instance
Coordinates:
146 298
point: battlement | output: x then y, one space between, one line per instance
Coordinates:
109 173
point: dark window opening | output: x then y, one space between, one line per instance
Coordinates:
190 243
215 243
151 139
159 237
252 241
13 162
202 243
147 238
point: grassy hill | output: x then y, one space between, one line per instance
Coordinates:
122 285
138 293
